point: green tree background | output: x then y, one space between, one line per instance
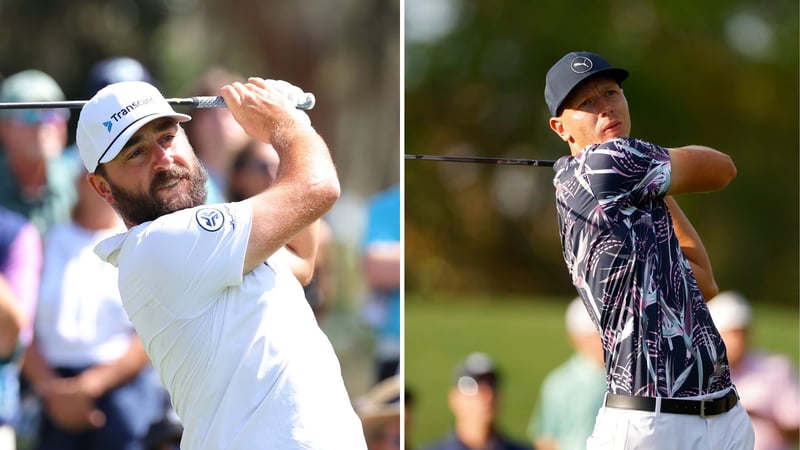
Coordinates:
723 74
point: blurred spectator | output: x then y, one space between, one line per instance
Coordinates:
474 400
214 134
12 320
35 178
86 363
254 168
572 393
10 325
382 254
166 433
767 383
114 70
379 410
20 266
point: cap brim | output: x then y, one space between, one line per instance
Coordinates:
618 74
122 139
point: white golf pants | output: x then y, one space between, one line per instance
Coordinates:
622 429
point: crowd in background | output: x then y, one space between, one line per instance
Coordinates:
73 373
572 393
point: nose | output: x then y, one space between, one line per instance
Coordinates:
606 106
163 158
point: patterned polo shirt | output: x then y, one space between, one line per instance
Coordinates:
627 265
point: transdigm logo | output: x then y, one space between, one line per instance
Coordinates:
108 125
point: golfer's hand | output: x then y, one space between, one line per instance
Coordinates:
266 109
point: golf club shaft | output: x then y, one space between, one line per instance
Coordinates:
482 160
192 102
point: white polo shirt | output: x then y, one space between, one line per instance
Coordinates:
244 361
79 321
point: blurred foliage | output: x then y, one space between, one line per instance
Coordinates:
345 51
723 74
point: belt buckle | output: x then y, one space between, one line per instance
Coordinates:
702 408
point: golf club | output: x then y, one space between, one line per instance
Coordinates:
192 102
482 160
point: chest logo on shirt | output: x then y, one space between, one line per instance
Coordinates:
210 219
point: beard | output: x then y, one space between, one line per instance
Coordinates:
138 208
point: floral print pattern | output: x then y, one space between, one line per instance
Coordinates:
627 265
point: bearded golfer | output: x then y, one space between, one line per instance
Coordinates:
223 320
640 268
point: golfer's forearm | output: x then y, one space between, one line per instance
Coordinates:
307 169
693 249
302 193
699 169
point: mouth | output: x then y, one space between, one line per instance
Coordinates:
613 127
169 185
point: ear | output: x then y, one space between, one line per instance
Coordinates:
557 125
102 187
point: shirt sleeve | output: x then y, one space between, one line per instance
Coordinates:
627 171
193 254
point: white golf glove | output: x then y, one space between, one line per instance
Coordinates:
293 96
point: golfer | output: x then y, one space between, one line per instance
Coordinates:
640 268
223 320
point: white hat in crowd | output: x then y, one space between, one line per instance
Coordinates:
115 114
730 311
577 319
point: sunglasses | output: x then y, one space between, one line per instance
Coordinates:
39 116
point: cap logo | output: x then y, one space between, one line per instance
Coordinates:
126 110
108 124
581 64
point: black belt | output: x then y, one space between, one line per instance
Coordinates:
700 408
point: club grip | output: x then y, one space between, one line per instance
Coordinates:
209 102
218 102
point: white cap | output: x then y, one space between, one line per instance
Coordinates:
578 320
730 311
115 114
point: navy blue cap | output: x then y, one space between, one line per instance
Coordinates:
478 367
115 70
570 71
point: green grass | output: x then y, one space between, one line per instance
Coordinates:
527 338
